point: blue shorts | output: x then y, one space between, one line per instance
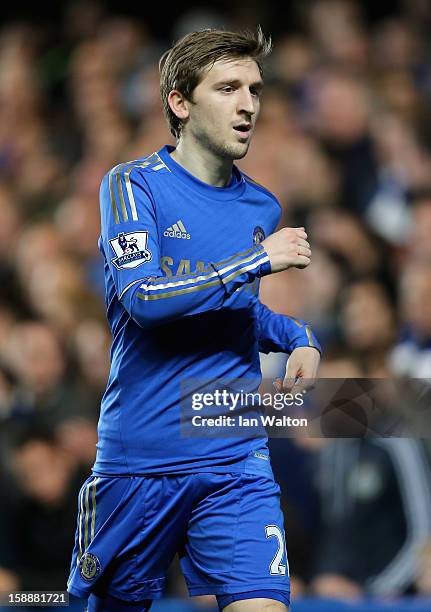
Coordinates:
226 528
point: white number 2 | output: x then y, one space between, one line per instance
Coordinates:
276 566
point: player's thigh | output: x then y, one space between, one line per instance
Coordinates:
236 538
256 605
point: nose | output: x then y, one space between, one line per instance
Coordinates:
246 102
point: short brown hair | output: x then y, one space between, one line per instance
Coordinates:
182 66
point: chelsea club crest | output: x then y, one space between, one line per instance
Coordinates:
258 235
89 567
130 250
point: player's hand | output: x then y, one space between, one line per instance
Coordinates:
288 248
301 371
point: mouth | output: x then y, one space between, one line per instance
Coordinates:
243 129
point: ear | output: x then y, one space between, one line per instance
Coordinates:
178 104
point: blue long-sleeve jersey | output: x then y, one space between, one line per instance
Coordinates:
182 266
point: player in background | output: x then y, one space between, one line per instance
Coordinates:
183 304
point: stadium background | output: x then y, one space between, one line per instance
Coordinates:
344 140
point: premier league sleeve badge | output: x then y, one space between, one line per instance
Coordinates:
130 249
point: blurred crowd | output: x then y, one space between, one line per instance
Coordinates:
344 141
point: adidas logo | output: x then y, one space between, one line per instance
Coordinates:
177 230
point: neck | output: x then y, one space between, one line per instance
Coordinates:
203 163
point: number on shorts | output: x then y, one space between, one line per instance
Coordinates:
276 566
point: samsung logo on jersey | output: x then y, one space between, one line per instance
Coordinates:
172 234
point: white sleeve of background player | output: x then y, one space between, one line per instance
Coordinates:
412 470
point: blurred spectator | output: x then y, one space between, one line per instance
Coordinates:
412 355
323 283
368 325
340 363
14 405
337 28
404 164
345 237
91 342
39 362
375 517
419 242
35 549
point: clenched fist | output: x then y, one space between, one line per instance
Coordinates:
288 248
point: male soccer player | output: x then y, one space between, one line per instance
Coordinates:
183 304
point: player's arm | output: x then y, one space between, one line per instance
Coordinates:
284 334
281 333
128 213
278 333
159 298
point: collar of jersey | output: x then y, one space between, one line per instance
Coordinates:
232 191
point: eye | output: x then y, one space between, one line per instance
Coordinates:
254 92
227 88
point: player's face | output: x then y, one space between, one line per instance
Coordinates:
225 107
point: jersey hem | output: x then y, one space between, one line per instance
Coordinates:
148 593
212 469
